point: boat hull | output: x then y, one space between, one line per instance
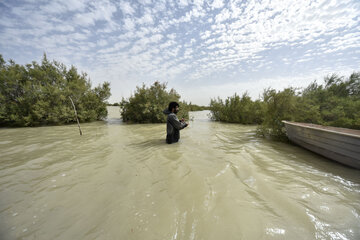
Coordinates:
328 142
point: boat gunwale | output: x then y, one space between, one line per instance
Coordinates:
321 128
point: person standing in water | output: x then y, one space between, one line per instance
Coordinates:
173 124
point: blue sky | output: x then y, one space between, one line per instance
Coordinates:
203 49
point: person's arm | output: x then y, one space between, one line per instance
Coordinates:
176 123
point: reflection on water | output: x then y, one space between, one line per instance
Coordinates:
121 181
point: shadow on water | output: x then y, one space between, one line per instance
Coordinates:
312 162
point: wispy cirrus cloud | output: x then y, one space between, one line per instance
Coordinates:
205 44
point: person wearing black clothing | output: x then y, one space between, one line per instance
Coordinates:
173 125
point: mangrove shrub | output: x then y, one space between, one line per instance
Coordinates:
278 106
38 94
236 109
147 104
336 103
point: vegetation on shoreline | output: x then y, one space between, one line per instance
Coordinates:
236 109
334 103
147 104
38 94
113 104
194 107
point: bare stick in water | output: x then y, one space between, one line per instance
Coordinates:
76 115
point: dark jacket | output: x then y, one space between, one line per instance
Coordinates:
173 127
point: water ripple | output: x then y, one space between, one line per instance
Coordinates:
122 181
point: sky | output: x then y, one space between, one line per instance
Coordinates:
202 49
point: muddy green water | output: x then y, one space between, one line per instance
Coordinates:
122 181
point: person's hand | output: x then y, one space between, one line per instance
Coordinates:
182 120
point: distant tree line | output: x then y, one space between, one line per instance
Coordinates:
114 104
336 102
194 107
38 94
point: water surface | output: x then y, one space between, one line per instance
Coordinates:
121 181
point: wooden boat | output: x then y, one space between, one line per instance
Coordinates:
339 144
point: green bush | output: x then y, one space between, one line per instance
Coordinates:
147 104
335 103
34 94
237 109
279 105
